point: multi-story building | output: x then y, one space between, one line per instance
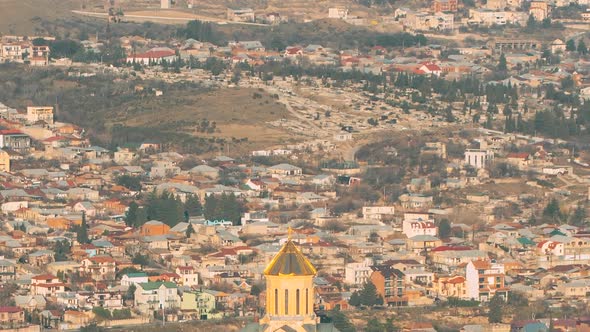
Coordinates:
357 273
389 282
40 113
13 52
99 267
484 279
450 287
539 10
11 316
46 285
152 296
4 161
377 212
418 224
241 15
188 275
15 140
415 201
7 270
450 258
198 304
422 21
444 6
39 55
478 158
337 12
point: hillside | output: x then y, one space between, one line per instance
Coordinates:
188 116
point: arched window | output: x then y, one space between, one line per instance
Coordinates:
307 301
286 301
297 302
276 301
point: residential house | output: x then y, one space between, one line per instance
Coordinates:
444 6
11 316
198 304
357 274
129 279
241 15
154 228
46 285
152 296
478 158
188 275
454 286
153 56
484 279
7 271
377 212
389 283
14 140
285 170
40 114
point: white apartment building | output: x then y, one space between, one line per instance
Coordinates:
40 113
357 273
478 158
484 280
418 224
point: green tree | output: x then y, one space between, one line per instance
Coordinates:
582 49
193 205
142 260
552 211
366 296
101 313
578 217
496 305
189 231
340 321
131 215
502 64
130 182
531 22
92 327
62 249
570 45
444 229
255 290
374 325
130 294
82 231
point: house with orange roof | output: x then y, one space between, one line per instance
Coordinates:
99 267
519 159
154 227
485 279
115 206
46 285
453 286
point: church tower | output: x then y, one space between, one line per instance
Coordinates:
290 293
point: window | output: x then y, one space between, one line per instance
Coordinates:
306 301
286 301
276 301
297 302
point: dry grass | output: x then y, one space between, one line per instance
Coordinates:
23 16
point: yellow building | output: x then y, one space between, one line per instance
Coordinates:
4 161
290 294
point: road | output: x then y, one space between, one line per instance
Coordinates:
165 19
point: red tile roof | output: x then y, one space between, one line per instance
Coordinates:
154 55
10 309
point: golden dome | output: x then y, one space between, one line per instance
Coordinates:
290 261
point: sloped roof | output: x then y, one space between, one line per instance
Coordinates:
290 261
